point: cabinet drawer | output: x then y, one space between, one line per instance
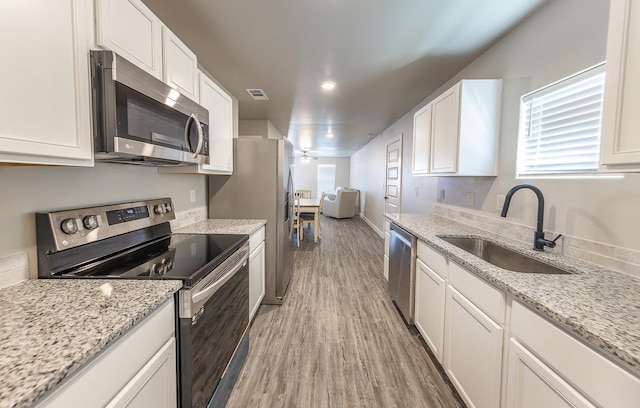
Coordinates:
591 373
433 259
489 299
255 239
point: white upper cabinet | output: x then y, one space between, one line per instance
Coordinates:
130 29
444 139
221 129
464 129
421 140
45 115
179 65
620 142
457 133
220 107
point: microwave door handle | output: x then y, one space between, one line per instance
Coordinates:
187 127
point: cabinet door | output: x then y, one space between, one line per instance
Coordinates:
531 384
385 263
444 134
620 141
421 140
256 279
130 29
429 315
472 352
45 115
179 65
154 385
220 107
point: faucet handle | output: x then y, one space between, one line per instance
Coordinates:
549 243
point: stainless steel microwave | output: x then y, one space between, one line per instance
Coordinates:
139 119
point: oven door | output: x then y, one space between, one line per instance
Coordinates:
213 319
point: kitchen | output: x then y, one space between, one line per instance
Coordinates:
597 211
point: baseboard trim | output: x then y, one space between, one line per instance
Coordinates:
373 226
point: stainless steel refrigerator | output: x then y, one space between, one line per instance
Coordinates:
261 187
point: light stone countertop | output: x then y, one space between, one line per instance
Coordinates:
222 226
51 327
600 305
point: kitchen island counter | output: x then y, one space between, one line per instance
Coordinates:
223 226
51 327
600 305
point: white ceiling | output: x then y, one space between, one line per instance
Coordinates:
385 56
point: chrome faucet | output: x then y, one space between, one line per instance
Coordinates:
539 242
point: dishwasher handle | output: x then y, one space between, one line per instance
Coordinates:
401 234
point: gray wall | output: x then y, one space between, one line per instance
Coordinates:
563 37
306 173
26 190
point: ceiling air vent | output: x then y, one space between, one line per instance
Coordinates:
258 94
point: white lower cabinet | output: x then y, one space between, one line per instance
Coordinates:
387 227
256 271
138 370
561 359
429 310
472 351
153 386
532 384
497 352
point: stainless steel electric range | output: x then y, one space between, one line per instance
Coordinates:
134 241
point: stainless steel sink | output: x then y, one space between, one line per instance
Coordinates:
502 257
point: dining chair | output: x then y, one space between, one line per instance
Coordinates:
304 193
297 221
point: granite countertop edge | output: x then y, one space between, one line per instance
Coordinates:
52 327
599 305
223 226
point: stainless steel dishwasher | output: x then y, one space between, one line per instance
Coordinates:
402 277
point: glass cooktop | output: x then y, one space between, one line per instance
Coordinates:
188 257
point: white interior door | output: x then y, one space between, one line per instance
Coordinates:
393 183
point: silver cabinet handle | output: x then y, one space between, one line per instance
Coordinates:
190 122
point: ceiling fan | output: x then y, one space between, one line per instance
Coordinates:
306 158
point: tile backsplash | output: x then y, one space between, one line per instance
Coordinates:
624 260
14 269
184 218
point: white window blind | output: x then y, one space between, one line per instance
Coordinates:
326 178
560 126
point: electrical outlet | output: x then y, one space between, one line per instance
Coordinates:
471 199
192 196
499 202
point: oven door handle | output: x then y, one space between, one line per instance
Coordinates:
206 292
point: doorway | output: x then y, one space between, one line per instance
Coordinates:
393 178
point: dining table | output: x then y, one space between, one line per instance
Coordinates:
312 205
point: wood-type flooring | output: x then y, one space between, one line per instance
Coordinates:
338 340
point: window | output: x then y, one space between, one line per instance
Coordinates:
560 126
326 178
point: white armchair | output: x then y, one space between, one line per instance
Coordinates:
342 204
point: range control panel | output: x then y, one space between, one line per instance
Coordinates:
72 228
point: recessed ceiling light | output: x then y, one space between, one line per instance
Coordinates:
330 134
328 85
